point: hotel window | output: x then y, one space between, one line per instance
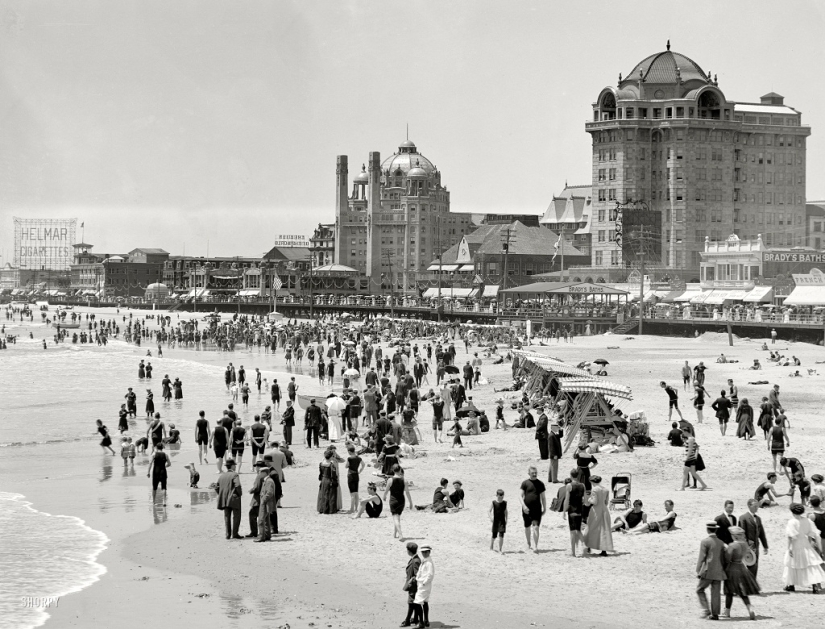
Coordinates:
601 174
611 235
601 216
598 258
611 194
657 112
642 153
630 135
602 196
612 174
601 235
614 258
612 155
700 216
680 113
716 216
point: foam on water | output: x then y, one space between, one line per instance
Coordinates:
44 556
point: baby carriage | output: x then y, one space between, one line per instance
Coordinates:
620 490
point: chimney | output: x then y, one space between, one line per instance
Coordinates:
373 207
341 202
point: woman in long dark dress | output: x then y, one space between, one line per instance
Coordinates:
397 490
167 388
765 417
178 386
328 489
740 581
744 420
157 470
150 403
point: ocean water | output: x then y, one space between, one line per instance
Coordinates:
51 463
44 557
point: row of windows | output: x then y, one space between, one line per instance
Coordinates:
767 158
701 135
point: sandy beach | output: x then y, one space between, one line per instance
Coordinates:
330 571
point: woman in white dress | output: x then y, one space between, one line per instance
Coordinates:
336 431
802 561
599 535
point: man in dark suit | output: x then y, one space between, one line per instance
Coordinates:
312 424
383 427
229 499
288 422
710 570
724 522
754 532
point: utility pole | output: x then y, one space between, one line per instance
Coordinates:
438 246
641 287
505 250
392 287
561 246
311 296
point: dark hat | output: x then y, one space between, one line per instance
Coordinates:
817 478
267 457
261 464
230 463
797 509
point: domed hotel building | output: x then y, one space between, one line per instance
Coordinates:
395 219
668 137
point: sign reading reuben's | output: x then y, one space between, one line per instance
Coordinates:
44 243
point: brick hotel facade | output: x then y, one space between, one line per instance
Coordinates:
667 135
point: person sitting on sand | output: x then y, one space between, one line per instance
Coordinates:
722 359
765 347
372 504
457 497
664 525
631 519
795 374
766 493
756 365
796 361
675 436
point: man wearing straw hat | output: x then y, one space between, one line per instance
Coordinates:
710 570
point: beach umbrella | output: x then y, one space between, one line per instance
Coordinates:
451 369
352 373
335 404
348 343
601 361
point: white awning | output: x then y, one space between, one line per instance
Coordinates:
759 294
737 295
466 268
688 295
806 296
249 292
447 268
701 297
491 291
202 292
430 293
716 298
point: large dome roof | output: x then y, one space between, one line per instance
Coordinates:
406 159
662 68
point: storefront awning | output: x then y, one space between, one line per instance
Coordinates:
466 268
716 298
806 296
489 291
202 292
446 268
737 295
760 294
249 292
701 297
686 296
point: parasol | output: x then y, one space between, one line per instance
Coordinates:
348 343
451 369
335 405
601 361
352 373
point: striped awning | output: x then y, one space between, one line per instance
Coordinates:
596 386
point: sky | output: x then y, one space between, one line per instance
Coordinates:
205 124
